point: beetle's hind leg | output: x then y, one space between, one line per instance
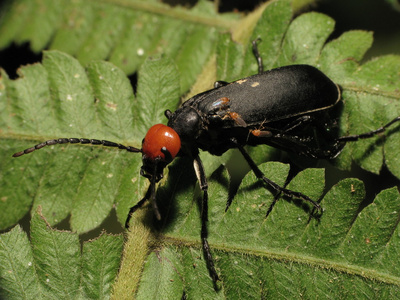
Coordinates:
276 187
366 135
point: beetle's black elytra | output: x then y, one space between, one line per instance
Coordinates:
287 108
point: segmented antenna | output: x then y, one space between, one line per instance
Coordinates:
77 141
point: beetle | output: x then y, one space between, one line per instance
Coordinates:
289 108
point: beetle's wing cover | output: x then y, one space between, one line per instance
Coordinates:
277 94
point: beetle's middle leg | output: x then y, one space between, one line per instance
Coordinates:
259 174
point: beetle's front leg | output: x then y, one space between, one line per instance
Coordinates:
136 207
201 177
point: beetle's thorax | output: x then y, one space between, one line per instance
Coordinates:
201 123
187 122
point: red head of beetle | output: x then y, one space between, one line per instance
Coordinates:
160 146
159 140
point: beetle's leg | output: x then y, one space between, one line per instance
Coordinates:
201 177
150 195
272 205
218 84
168 114
276 198
76 141
289 142
292 125
296 123
152 188
137 206
258 56
366 135
272 184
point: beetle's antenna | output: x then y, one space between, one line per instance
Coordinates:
76 141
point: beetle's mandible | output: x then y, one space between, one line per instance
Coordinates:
287 108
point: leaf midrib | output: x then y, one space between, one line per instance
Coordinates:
166 10
278 255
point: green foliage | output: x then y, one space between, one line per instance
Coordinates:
123 32
348 251
53 266
395 4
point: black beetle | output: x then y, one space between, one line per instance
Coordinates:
287 108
